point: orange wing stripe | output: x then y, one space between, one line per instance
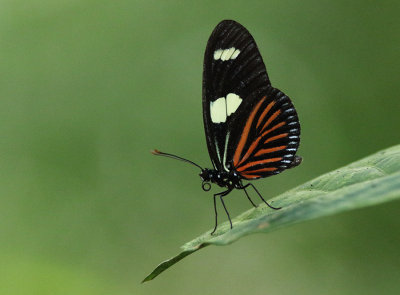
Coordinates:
276 137
271 150
250 150
249 176
245 132
273 117
265 161
269 169
273 128
264 113
255 143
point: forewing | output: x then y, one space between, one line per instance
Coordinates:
234 79
269 139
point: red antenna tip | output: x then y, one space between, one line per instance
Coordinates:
155 152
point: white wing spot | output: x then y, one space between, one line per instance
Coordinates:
226 54
218 110
233 101
217 54
235 54
221 108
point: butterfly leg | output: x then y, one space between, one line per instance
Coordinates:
222 201
221 195
216 214
250 184
248 197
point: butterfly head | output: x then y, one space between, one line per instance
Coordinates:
206 176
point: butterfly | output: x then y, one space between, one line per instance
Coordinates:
252 129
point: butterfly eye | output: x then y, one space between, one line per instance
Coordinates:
206 186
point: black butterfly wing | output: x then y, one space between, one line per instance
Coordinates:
234 79
250 126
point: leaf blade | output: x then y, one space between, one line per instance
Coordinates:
369 181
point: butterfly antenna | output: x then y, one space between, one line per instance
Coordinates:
158 153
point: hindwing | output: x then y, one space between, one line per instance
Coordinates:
269 138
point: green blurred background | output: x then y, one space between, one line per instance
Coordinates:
87 88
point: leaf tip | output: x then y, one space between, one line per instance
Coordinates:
146 279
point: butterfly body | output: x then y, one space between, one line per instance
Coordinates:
230 179
252 129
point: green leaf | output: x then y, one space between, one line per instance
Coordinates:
372 180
